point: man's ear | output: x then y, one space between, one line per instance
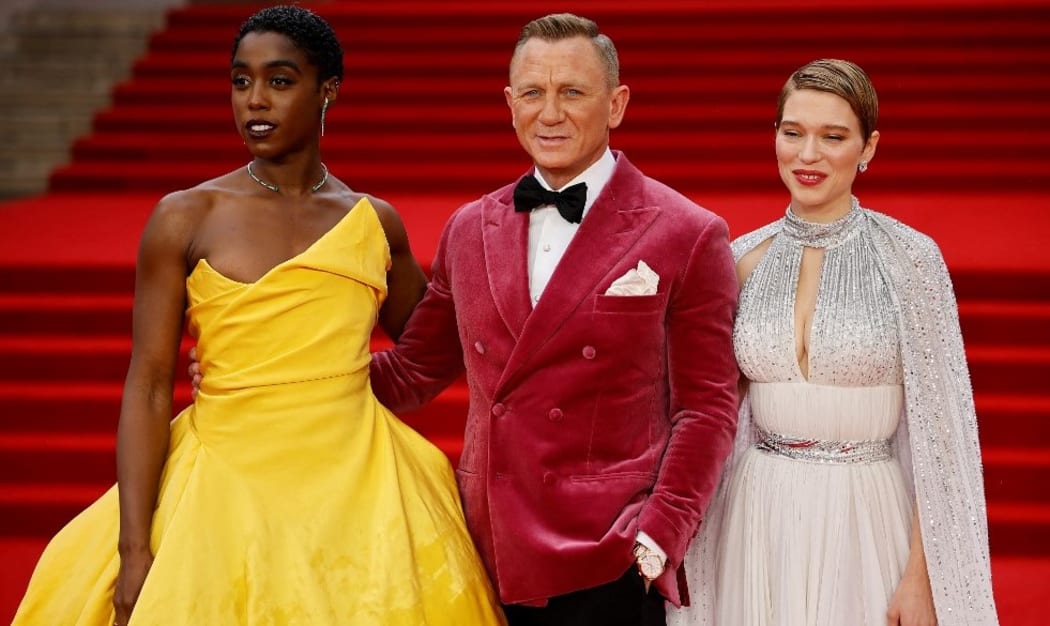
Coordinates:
618 105
509 95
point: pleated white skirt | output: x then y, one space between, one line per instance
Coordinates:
810 543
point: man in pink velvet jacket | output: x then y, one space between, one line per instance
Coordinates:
598 352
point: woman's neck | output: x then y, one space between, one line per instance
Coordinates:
823 214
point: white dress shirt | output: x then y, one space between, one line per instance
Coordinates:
550 235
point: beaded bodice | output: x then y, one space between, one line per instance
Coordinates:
853 341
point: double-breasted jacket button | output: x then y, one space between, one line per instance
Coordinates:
555 415
548 478
498 410
479 347
589 352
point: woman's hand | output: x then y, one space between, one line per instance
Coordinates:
133 570
912 603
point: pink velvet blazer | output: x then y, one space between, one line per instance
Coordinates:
591 416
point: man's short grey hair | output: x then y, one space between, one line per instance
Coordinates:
560 26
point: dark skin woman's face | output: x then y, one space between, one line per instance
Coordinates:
276 95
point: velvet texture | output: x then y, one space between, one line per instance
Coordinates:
591 416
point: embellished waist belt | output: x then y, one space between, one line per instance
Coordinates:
817 451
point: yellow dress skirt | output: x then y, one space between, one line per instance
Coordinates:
289 495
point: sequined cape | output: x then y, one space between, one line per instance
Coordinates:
936 443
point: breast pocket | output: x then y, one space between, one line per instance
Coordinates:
628 333
636 305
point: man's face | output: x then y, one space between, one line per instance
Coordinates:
562 105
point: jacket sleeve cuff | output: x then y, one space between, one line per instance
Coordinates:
650 543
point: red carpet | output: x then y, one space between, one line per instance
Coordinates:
421 121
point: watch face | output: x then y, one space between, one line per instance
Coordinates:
650 566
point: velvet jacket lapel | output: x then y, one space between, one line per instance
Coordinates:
611 227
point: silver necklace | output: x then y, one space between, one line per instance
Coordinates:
275 188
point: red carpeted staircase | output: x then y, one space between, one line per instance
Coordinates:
964 91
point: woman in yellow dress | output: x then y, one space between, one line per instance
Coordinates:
286 494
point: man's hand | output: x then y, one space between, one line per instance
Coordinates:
650 564
195 373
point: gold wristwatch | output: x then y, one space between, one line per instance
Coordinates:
650 565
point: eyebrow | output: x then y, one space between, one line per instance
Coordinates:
270 65
838 127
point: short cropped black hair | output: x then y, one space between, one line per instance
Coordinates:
306 30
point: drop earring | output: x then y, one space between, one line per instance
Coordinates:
324 109
862 167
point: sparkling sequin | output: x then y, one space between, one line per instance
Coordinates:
818 451
854 339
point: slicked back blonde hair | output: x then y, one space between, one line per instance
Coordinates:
560 26
842 78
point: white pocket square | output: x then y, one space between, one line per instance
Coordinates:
640 281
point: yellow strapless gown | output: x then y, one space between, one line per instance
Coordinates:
289 495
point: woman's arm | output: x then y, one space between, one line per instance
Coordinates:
912 603
406 282
145 414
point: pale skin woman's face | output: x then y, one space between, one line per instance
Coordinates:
819 145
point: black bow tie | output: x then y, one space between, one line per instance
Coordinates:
529 194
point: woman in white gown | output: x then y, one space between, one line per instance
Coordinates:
858 405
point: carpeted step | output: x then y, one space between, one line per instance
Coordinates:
85 279
1014 420
65 314
1010 473
1009 369
1030 286
44 458
1018 528
29 510
998 322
